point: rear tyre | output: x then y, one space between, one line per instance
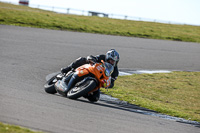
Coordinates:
49 86
82 90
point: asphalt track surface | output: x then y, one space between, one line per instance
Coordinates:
27 55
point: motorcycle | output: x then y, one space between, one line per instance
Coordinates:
83 81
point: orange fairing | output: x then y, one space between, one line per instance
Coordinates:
82 70
96 69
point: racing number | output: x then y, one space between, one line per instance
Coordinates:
99 68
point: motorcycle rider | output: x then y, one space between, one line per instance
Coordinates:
112 57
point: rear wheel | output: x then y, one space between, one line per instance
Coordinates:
82 90
49 86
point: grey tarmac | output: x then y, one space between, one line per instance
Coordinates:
28 55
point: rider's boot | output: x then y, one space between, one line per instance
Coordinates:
66 70
78 62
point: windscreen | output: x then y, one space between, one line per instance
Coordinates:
109 69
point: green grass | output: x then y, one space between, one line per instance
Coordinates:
176 94
25 16
5 128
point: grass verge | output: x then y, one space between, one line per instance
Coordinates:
176 94
26 16
5 128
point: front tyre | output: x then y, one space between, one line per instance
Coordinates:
49 86
82 90
94 97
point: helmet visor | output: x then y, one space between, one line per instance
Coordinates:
111 61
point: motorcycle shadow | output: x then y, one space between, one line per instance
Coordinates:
136 109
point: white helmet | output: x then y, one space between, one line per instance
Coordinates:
112 54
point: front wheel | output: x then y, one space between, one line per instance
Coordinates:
82 90
49 86
94 97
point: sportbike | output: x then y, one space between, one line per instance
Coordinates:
83 81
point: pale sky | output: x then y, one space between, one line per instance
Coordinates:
179 11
